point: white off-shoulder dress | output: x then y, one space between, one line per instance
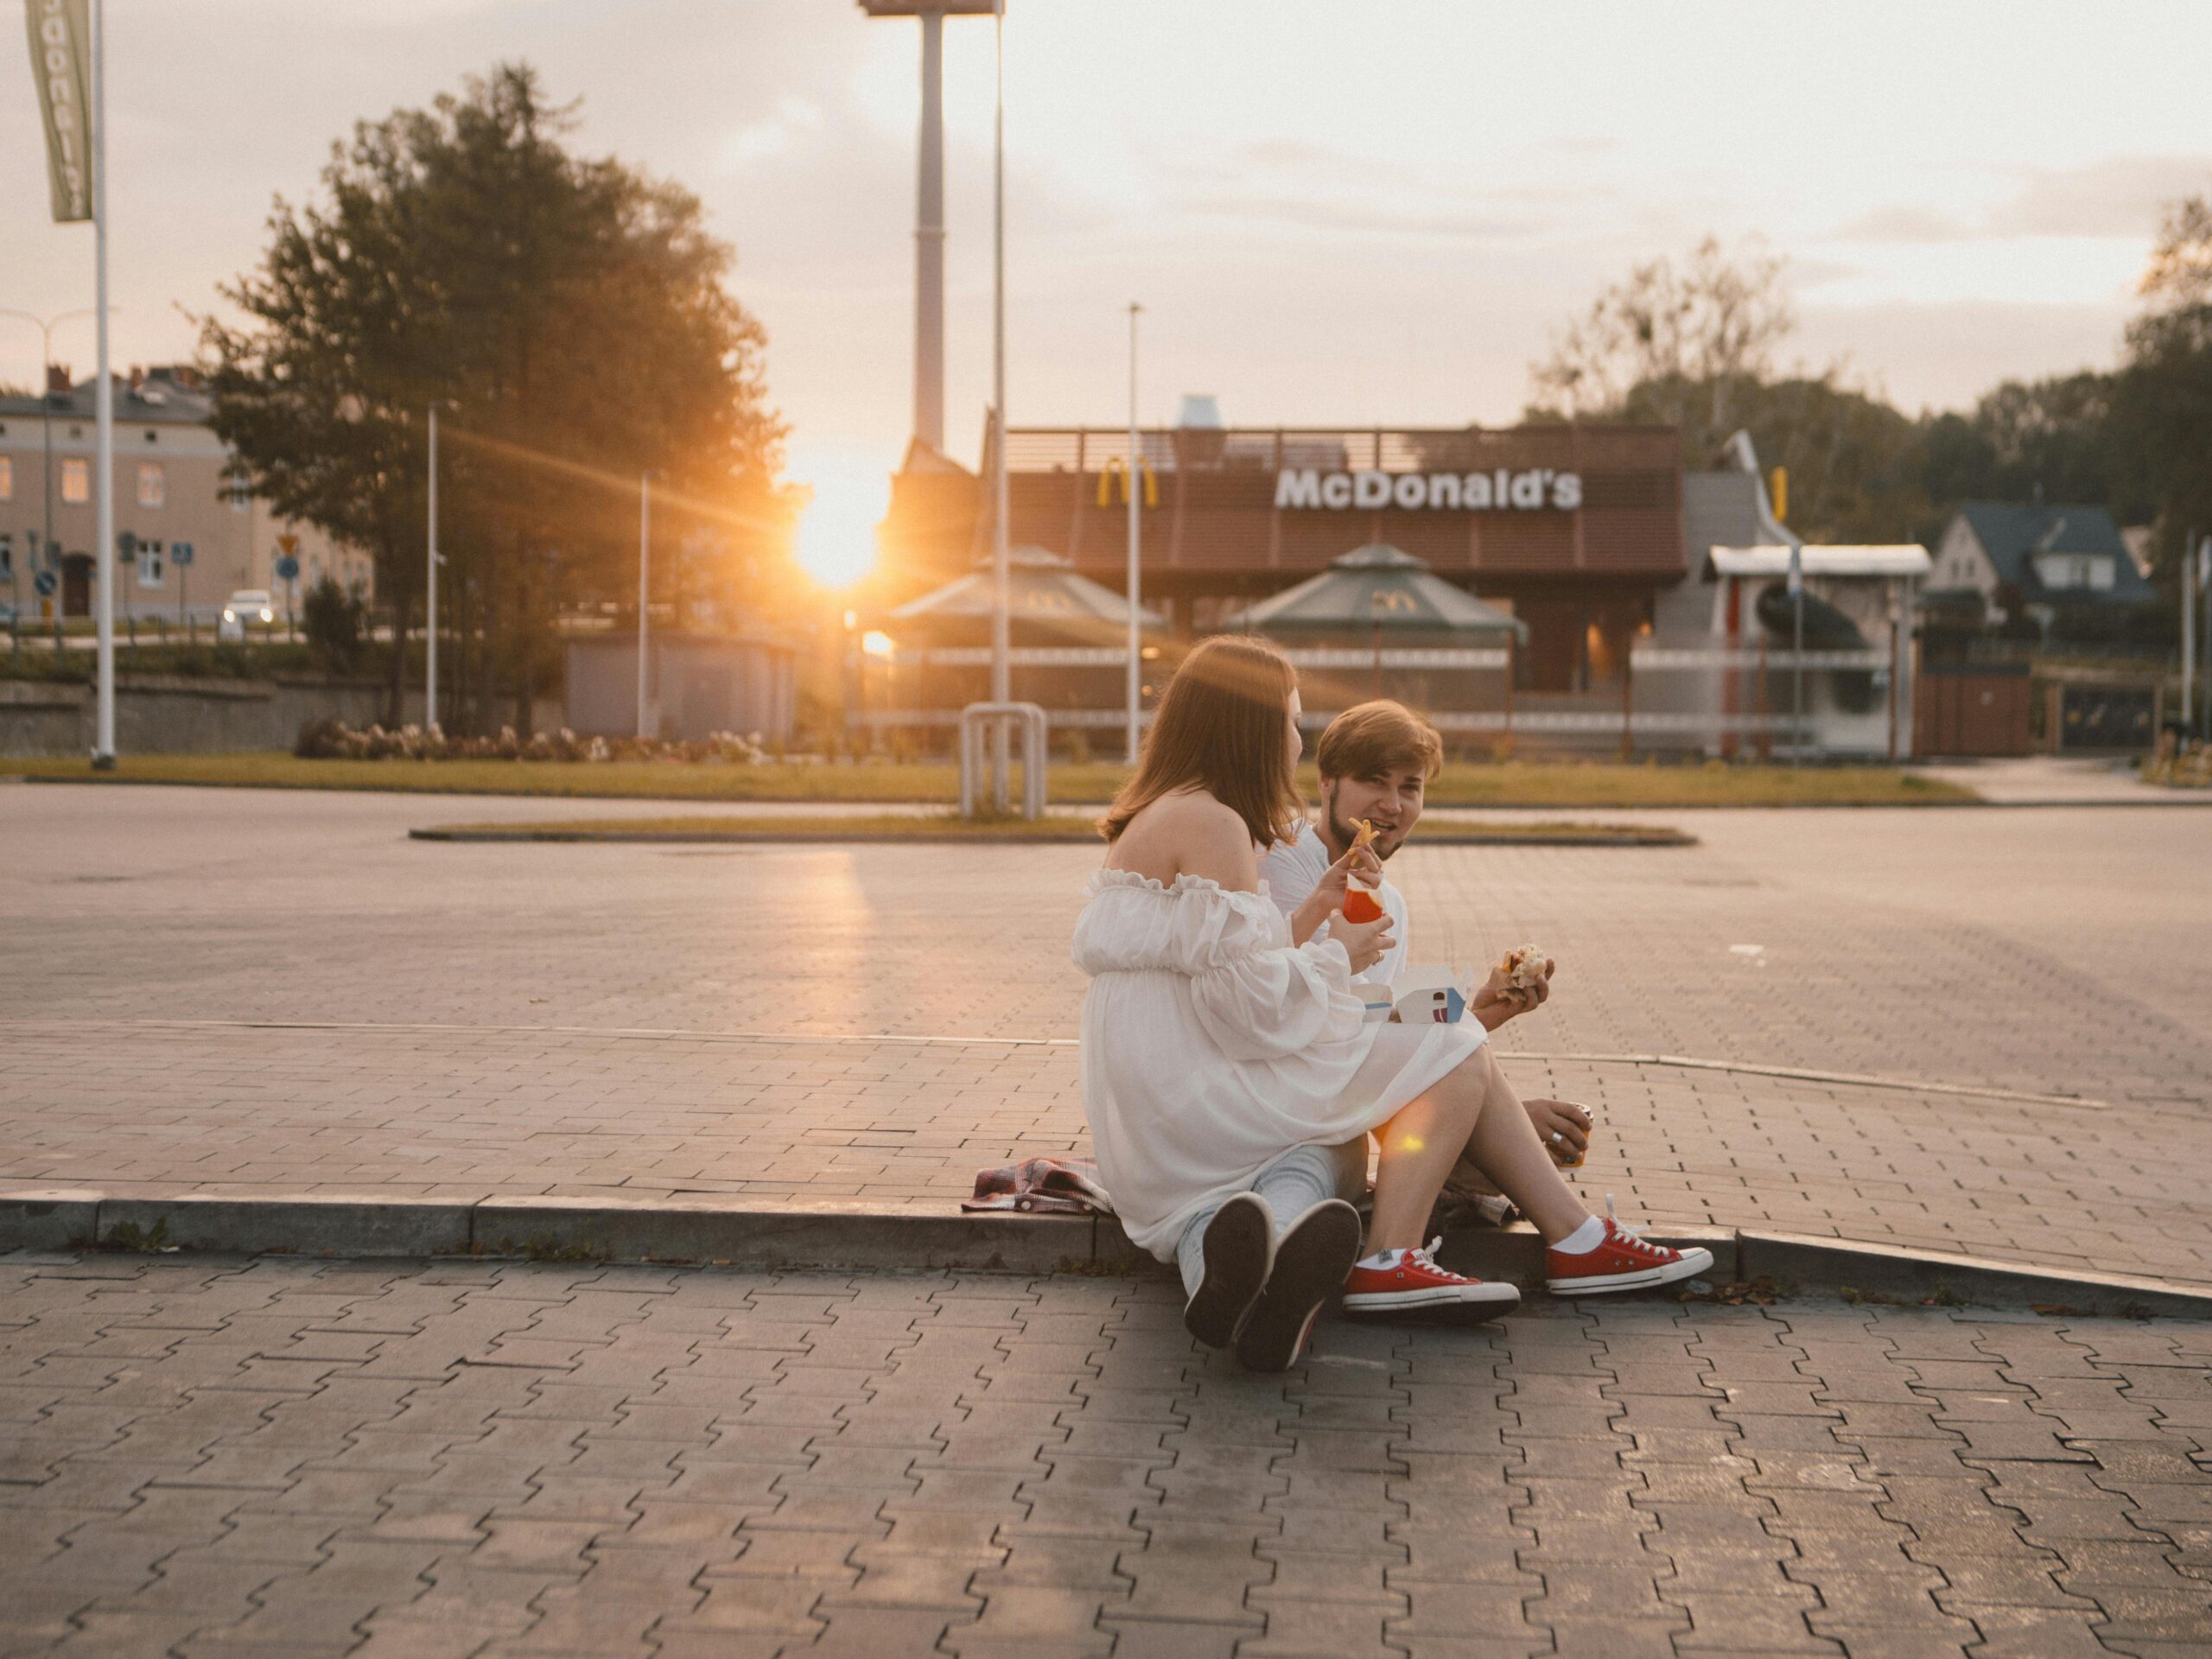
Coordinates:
1211 1045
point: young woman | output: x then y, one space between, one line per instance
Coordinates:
1230 1079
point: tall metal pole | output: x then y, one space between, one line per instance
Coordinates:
2204 590
1132 477
1001 677
430 610
928 241
104 404
644 559
2188 627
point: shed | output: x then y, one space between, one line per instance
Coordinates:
696 684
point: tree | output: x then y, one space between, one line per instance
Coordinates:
2052 440
1699 333
2162 398
575 316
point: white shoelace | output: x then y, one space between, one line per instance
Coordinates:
1628 1234
1425 1256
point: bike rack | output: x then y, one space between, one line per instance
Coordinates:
980 720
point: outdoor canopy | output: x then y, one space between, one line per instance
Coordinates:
1378 586
1042 589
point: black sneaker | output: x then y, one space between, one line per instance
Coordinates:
1239 1251
1311 1261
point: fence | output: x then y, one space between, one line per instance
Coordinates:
1717 700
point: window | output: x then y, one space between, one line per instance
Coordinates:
153 484
150 564
2064 570
6 477
76 480
240 497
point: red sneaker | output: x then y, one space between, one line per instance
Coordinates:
1416 1282
1622 1261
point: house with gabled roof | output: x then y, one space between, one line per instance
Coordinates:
2061 566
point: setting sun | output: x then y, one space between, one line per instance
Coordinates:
837 533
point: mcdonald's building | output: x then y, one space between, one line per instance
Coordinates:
1560 538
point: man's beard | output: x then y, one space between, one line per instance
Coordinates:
1342 834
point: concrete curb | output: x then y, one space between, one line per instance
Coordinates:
833 1234
926 837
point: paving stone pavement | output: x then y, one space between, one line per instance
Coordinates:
479 996
222 1456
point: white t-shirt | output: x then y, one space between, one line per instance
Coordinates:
1295 869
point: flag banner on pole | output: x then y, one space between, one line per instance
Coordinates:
61 59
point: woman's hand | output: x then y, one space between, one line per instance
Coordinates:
1563 1127
1328 894
1365 942
1499 1001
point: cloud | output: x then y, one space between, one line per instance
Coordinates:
1337 214
2119 196
1899 223
794 121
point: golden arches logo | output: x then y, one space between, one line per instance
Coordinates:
1116 468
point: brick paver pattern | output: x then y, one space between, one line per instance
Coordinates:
221 1457
556 1019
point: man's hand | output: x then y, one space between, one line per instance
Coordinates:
1328 894
1563 1127
1499 1001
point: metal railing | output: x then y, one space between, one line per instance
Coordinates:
980 724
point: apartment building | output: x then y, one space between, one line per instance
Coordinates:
169 493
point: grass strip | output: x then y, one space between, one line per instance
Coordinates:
1566 786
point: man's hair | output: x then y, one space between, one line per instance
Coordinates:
1378 737
1223 727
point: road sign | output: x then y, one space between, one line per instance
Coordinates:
126 544
288 568
288 543
180 552
45 583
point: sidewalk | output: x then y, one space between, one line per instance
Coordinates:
219 1460
159 1109
2062 780
238 993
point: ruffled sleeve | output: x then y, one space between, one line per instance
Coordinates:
1258 996
1268 1003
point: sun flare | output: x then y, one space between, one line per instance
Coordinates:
837 533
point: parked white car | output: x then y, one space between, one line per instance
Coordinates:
243 608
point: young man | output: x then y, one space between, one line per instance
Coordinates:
1377 761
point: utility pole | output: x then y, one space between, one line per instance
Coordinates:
1797 656
1131 477
644 566
430 606
2187 629
1002 676
103 405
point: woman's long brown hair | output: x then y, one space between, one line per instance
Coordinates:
1222 728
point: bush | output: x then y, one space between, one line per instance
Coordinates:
336 623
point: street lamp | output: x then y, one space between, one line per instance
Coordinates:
46 325
644 566
430 611
1130 475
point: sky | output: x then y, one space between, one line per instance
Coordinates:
1331 213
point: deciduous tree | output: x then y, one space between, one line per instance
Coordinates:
575 318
